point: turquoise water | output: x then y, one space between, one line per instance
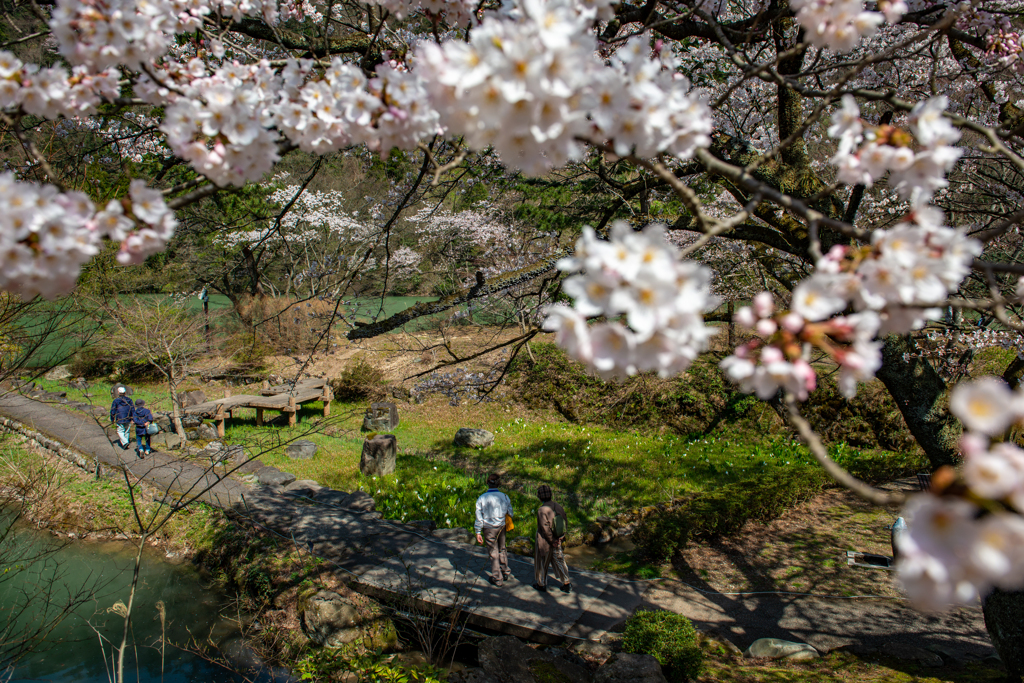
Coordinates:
73 651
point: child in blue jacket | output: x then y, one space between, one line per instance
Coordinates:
142 417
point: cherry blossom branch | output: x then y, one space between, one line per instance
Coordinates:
831 467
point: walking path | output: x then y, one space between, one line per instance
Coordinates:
378 557
386 559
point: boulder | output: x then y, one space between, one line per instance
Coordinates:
423 526
473 438
471 676
271 476
329 620
454 535
301 450
58 373
192 398
776 648
206 432
165 440
359 500
235 453
163 421
251 467
303 487
629 668
512 661
329 496
1005 627
379 455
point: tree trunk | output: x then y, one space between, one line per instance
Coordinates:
920 394
1004 620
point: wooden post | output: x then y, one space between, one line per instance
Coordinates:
219 416
259 417
292 410
327 401
266 385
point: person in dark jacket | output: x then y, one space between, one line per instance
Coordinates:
142 417
121 415
548 548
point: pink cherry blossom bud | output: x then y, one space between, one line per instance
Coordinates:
771 354
745 317
972 444
764 305
803 371
766 328
792 322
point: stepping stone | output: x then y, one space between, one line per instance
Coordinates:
329 496
271 476
303 487
301 450
776 648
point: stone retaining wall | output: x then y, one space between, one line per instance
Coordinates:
55 447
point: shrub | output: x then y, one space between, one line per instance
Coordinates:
359 381
668 637
725 510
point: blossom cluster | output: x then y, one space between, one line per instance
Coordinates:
867 154
961 543
46 235
1005 45
841 24
51 92
532 88
638 276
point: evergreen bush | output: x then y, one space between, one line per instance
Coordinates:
668 637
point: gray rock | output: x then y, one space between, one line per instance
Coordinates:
423 526
166 440
301 450
215 446
471 676
251 467
235 452
58 373
473 438
163 421
454 535
380 455
329 620
329 496
271 476
512 661
359 500
776 648
206 432
629 668
909 652
192 398
303 487
380 417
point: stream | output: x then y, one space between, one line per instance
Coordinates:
73 652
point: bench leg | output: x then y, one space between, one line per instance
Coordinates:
291 418
220 428
259 417
327 408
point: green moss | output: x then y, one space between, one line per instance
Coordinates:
546 672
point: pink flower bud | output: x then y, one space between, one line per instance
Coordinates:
745 317
764 306
766 328
792 322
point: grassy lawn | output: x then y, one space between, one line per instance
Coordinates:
594 470
843 666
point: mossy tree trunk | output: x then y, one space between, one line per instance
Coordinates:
1004 620
920 394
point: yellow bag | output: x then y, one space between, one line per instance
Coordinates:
509 526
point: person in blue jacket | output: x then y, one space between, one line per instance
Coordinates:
142 417
121 415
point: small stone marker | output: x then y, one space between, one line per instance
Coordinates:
776 648
380 417
473 438
302 449
379 455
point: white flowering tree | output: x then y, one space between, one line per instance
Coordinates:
877 145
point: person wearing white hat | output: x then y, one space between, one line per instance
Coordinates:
121 414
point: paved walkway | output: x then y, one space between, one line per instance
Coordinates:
379 558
